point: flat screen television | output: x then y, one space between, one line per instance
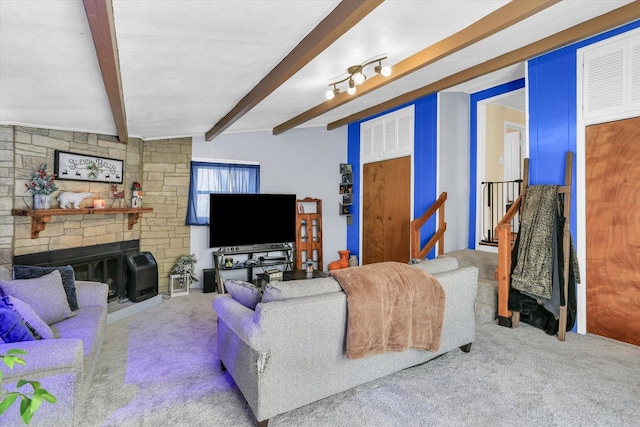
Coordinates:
251 219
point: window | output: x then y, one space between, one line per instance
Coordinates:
207 178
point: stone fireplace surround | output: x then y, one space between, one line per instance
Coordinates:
102 263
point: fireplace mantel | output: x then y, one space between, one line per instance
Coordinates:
40 217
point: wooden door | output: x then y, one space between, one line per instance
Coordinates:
386 211
613 230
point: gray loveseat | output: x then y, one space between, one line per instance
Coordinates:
290 353
64 365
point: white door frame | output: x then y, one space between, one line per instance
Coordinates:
481 154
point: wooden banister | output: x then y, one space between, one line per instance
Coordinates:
505 245
438 236
503 232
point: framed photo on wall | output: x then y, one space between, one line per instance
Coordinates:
81 167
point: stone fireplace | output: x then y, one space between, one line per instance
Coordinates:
102 263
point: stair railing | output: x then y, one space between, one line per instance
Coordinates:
505 245
504 233
438 236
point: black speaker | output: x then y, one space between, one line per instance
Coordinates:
142 276
209 280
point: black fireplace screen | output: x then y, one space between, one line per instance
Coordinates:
101 263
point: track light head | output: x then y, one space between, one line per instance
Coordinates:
352 87
331 93
383 70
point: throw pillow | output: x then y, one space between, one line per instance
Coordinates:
44 294
30 318
13 328
66 272
281 291
245 293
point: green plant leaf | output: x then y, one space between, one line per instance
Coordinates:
34 384
8 401
24 409
48 396
36 402
15 351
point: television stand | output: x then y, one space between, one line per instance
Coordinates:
263 260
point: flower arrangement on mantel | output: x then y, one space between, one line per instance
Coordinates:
42 182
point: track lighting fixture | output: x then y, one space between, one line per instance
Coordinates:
356 76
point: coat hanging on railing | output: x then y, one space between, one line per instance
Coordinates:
537 283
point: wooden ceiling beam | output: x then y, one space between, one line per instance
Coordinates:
332 27
602 23
100 16
512 13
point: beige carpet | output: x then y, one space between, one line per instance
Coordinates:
159 368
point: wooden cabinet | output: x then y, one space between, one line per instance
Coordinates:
309 233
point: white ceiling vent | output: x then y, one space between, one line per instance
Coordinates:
612 78
387 137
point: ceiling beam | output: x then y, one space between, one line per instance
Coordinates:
613 19
512 13
333 26
100 16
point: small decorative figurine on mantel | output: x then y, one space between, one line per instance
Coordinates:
69 199
136 195
119 196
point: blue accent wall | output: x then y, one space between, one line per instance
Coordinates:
353 157
425 166
473 149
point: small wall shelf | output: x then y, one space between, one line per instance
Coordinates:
40 217
346 190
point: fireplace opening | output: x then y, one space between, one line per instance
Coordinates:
104 263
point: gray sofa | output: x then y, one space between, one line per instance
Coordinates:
64 365
289 353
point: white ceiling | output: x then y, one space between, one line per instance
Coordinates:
186 64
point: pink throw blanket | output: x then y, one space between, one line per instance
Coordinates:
391 306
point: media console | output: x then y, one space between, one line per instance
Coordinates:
258 256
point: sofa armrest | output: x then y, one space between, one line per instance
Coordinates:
240 319
57 364
461 287
44 358
92 293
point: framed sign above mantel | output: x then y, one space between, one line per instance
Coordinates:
81 167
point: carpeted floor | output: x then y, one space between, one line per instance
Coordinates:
160 368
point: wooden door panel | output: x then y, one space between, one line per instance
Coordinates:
397 209
386 212
372 213
613 230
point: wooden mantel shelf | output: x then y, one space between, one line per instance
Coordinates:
40 217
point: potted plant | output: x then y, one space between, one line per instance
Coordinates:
42 185
184 266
